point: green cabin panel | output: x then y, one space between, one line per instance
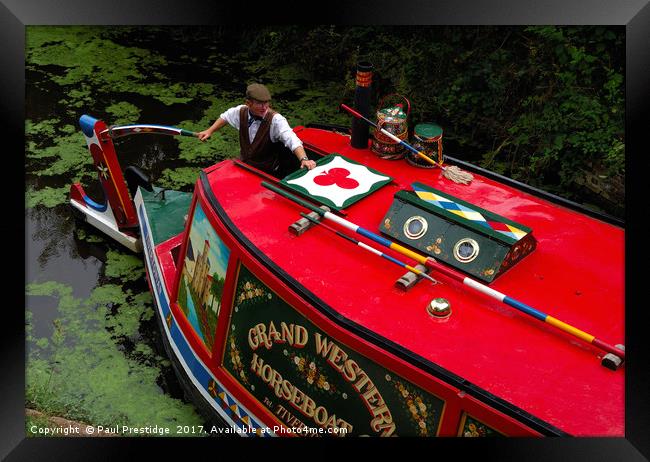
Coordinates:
465 244
309 380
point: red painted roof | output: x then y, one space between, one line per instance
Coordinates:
575 274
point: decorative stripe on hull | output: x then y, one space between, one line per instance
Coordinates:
231 410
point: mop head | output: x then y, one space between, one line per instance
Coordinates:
455 174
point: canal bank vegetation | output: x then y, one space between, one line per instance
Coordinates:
541 104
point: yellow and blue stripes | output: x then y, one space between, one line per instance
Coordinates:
371 249
542 316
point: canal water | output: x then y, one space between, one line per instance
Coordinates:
94 353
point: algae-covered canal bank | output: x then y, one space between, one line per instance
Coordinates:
93 353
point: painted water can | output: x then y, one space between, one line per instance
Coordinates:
427 138
392 117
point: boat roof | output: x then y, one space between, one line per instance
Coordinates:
575 274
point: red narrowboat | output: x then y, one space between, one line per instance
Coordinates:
401 304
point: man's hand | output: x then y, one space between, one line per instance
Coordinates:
308 164
204 135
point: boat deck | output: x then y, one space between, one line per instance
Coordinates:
169 212
575 274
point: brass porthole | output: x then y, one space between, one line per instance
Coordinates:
466 250
415 227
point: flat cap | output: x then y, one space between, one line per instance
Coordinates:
258 91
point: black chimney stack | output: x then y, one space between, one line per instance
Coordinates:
362 105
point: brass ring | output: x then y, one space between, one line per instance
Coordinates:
464 243
418 234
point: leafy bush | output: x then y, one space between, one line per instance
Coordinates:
536 103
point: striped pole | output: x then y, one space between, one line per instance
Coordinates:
529 310
433 264
371 249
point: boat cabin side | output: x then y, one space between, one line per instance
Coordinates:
269 358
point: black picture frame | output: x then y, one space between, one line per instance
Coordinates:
633 14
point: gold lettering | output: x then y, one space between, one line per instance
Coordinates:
276 382
308 406
373 396
335 355
273 334
320 415
343 424
331 422
301 336
263 338
287 332
387 429
299 400
267 373
354 374
289 418
323 346
362 381
295 335
253 341
380 410
295 396
281 411
350 368
383 420
256 364
295 422
292 420
286 390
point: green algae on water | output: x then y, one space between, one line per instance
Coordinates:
179 178
123 266
47 197
84 55
222 144
89 62
91 238
86 375
123 113
45 128
68 155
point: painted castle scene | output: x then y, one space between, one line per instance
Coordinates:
204 274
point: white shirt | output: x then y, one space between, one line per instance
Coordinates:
280 129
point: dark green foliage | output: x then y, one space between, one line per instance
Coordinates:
538 103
